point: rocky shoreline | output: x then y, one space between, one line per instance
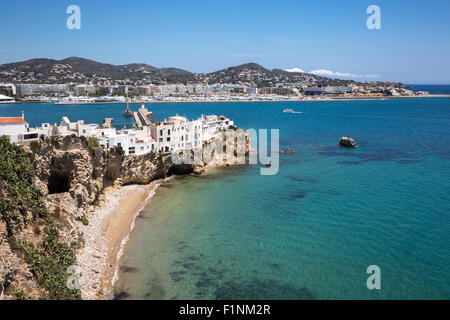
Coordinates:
95 195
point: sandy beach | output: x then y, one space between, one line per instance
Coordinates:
106 235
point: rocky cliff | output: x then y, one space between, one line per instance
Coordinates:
72 174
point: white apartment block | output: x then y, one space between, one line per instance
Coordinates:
28 89
177 134
132 141
84 89
212 125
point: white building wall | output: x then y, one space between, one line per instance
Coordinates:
12 128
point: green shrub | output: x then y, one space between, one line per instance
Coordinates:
35 146
84 221
92 145
93 142
49 262
16 178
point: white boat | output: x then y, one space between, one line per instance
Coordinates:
290 111
109 99
75 100
6 99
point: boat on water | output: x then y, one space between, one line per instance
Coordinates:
75 100
6 99
290 111
110 99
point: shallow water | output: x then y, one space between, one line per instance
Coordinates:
311 231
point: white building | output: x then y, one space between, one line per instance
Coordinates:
212 125
16 128
84 89
7 88
177 133
79 128
29 89
132 141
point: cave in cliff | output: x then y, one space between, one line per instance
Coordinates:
59 181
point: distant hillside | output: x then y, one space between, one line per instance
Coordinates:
253 73
80 70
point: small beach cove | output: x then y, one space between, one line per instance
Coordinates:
106 236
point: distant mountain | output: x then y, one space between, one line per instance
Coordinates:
80 70
253 73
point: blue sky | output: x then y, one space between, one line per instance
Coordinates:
413 45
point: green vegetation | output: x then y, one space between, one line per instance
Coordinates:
50 262
84 221
21 206
20 199
92 144
35 145
20 295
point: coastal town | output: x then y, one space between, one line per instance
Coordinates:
94 94
172 134
81 81
223 159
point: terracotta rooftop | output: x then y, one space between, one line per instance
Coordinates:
5 120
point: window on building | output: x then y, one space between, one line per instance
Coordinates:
160 132
30 136
168 132
168 139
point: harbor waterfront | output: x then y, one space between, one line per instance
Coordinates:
309 232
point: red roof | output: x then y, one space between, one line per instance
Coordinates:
5 120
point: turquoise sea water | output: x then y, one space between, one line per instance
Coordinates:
310 231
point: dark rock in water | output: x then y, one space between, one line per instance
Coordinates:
354 163
408 161
347 142
259 289
303 179
126 269
288 150
121 295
